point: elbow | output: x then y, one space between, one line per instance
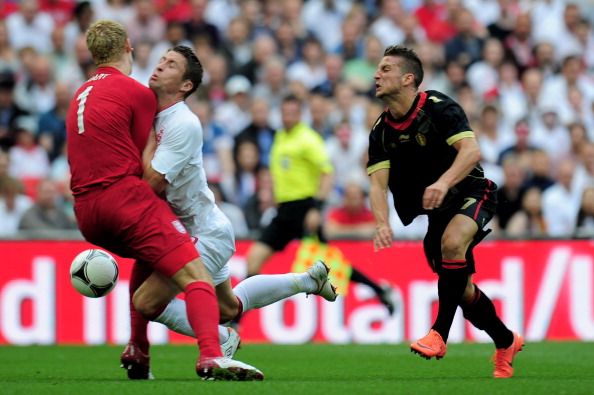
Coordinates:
377 189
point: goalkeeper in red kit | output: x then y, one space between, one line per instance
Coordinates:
108 124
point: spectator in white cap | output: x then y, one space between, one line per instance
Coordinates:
234 115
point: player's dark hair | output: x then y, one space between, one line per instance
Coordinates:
568 59
81 8
412 64
194 71
292 98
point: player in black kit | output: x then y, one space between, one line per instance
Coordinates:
423 150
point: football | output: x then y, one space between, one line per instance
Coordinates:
94 273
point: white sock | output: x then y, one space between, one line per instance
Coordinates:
175 318
262 290
223 334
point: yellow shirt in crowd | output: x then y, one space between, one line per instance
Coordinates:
297 160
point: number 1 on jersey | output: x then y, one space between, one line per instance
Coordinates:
82 99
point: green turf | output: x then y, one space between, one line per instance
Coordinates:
542 368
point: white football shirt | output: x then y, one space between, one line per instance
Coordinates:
179 158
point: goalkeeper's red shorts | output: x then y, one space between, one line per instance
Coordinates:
130 220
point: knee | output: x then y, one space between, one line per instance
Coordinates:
148 308
469 293
257 255
453 247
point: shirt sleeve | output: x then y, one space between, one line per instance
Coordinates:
378 156
452 121
144 108
318 154
176 148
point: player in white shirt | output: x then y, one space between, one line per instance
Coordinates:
174 168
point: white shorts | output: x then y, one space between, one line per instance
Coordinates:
216 246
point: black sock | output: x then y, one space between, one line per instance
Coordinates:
358 277
481 313
450 288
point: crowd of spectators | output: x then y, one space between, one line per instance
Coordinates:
523 70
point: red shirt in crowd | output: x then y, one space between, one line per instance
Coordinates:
342 216
433 18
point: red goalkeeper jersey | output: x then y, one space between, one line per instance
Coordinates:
108 123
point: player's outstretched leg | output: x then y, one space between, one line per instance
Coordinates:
227 369
504 358
319 273
264 289
136 363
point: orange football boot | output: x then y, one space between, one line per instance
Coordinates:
505 356
430 346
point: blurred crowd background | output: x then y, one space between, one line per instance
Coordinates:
523 70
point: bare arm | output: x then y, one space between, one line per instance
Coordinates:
313 218
378 197
468 156
326 181
155 179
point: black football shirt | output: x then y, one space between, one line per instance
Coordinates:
417 149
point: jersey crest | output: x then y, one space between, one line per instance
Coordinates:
178 226
421 139
159 135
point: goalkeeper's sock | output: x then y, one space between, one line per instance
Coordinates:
264 289
203 314
453 278
481 313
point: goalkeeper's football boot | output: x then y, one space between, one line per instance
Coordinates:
319 273
229 348
504 357
430 346
136 363
227 369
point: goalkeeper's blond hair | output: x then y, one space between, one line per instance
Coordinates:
106 41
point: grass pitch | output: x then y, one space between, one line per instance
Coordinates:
542 368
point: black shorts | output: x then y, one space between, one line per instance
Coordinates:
479 204
288 224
